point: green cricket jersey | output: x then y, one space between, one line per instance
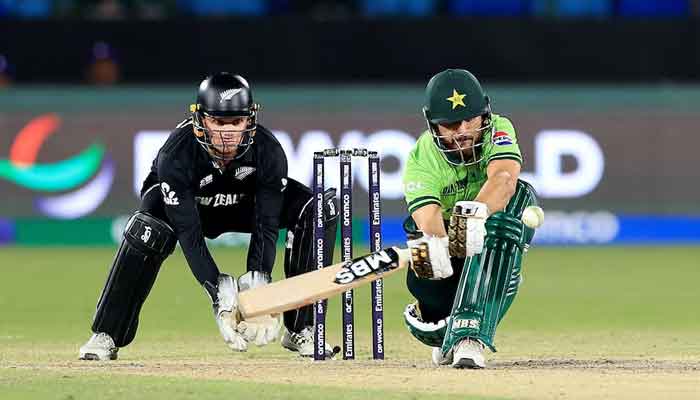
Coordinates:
430 179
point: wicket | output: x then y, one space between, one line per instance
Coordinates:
375 238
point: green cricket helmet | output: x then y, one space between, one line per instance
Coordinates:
451 96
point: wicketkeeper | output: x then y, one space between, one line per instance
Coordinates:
219 171
465 202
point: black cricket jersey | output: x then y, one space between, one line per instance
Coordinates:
196 193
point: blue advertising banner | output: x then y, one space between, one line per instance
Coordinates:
7 231
583 228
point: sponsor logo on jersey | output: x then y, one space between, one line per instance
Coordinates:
413 186
243 172
284 184
219 199
456 187
206 180
501 138
169 196
228 94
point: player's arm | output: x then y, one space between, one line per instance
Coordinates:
269 197
422 190
502 178
181 209
429 220
467 224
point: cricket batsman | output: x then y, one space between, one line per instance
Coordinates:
218 171
465 201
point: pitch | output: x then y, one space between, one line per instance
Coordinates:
588 323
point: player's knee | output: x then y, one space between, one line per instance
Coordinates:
528 189
150 235
504 226
330 208
300 241
524 196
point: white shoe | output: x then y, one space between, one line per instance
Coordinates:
469 353
303 342
100 347
438 359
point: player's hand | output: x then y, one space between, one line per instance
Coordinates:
228 323
430 258
226 313
259 330
467 228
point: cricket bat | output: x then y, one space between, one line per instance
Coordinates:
320 284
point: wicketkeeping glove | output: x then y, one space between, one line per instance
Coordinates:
226 312
263 329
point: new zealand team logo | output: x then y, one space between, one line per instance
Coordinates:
93 165
501 138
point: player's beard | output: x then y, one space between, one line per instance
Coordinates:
464 145
467 148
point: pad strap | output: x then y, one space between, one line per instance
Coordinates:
150 235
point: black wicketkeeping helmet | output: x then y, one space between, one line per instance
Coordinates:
224 95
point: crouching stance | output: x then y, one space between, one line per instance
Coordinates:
465 234
219 171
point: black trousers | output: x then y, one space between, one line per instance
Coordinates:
435 297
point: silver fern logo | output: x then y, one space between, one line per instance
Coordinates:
206 180
228 94
243 172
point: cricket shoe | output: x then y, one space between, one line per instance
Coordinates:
439 359
100 347
469 353
303 342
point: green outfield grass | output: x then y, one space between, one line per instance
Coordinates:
631 308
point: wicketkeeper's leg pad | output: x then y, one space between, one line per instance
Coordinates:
299 257
147 242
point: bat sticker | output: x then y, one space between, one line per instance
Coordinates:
374 263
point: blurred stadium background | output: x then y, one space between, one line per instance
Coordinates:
603 94
605 98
